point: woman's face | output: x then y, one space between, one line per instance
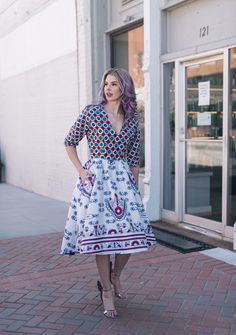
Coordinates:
112 89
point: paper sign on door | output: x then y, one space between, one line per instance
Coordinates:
204 93
204 119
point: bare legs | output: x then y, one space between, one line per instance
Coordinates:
120 262
103 265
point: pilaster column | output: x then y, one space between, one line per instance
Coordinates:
153 124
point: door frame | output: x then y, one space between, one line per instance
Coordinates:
177 216
200 222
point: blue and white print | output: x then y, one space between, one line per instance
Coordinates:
106 214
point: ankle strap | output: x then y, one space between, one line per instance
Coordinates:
115 274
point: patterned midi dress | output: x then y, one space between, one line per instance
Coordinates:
106 213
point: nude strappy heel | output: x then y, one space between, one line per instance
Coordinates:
108 302
119 292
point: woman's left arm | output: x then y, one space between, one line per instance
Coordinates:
134 153
135 171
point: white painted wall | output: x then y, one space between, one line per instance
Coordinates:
39 100
44 37
36 110
16 12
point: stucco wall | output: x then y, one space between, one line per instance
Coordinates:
36 110
39 100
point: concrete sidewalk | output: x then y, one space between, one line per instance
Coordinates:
42 292
24 213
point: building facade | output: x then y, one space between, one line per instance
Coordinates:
182 56
198 100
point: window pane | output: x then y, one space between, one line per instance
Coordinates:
169 137
120 51
204 99
127 53
204 179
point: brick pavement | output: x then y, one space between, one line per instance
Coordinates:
169 293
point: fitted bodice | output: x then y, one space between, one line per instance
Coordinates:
103 141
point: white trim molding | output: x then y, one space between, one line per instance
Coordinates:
152 77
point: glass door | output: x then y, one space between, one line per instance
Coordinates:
202 143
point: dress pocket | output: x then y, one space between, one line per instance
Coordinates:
87 187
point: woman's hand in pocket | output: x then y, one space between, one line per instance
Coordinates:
84 174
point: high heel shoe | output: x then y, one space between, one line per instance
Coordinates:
100 288
115 281
108 302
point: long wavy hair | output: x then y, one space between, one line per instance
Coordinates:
128 100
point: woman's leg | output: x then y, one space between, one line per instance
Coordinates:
103 265
120 262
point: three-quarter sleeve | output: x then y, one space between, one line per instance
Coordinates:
133 152
78 130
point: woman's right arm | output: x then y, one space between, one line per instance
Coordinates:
73 156
75 135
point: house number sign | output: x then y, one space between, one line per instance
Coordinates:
204 31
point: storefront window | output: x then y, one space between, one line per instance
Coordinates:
169 137
127 53
205 118
232 133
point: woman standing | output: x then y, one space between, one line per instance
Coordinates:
106 216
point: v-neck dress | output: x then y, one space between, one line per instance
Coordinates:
106 213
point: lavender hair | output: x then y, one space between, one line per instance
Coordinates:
128 101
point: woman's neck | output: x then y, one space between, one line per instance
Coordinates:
114 107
